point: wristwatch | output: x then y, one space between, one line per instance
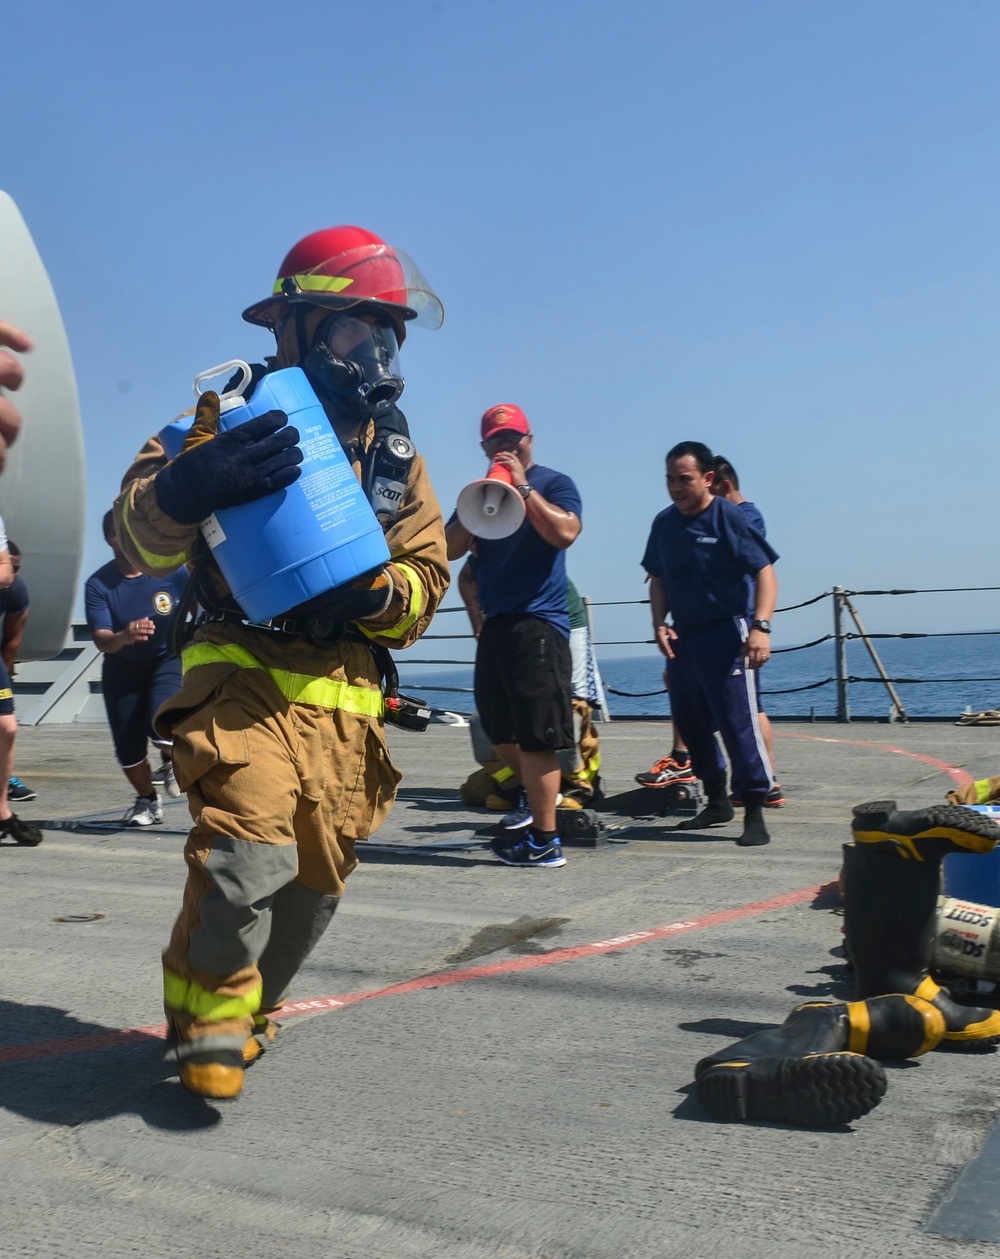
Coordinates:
765 626
524 490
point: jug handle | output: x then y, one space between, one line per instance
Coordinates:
234 394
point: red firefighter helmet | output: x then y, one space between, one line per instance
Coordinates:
341 267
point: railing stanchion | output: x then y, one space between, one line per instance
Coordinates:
863 634
840 654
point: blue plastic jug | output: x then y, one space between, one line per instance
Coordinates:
172 436
299 542
975 876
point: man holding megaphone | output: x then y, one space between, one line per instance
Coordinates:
522 517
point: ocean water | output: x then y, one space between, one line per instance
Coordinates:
945 675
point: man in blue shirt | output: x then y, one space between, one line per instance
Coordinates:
675 767
700 553
523 677
130 617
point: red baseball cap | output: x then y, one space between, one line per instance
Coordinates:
504 418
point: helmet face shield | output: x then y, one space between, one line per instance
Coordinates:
344 267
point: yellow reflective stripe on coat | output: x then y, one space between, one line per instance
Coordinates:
416 606
192 998
300 688
167 562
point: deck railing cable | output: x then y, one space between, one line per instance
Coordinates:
842 607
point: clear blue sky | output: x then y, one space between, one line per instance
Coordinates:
771 226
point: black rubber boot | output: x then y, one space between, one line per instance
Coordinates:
923 834
892 878
818 1068
817 1091
755 832
717 811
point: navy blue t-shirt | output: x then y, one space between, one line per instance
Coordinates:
704 560
752 513
524 573
112 600
757 521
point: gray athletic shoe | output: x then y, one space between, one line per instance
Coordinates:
145 811
165 781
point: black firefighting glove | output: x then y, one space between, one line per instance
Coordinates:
227 469
364 597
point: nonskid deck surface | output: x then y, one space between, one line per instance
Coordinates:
479 1061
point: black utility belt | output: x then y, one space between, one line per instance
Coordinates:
313 629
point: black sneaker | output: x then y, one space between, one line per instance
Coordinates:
524 851
21 832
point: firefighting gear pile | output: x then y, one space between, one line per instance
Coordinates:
982 791
823 1065
892 877
495 786
278 737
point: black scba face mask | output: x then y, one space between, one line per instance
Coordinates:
355 365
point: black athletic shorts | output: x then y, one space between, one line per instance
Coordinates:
524 674
133 691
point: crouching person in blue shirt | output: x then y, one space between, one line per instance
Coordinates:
701 552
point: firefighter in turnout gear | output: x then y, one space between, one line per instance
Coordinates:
277 730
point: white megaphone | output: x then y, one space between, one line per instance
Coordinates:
491 508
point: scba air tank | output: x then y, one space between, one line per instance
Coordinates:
299 542
967 939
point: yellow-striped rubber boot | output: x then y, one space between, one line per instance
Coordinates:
890 917
894 1027
815 1091
923 834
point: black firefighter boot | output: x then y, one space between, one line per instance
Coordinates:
818 1068
892 878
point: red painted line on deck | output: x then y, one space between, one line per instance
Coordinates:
959 776
441 979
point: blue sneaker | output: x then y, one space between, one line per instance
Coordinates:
524 851
17 790
521 817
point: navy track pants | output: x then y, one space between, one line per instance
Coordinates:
711 689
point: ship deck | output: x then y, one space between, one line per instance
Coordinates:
478 1061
